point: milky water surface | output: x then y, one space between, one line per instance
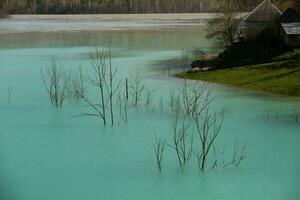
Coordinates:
47 153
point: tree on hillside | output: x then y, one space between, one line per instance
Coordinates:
224 26
3 13
296 5
284 4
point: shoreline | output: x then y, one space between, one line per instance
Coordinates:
259 78
207 76
243 89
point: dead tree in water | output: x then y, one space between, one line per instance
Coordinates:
174 103
103 79
77 89
56 82
295 114
185 54
98 79
208 128
126 89
239 154
149 97
194 97
159 148
191 100
137 88
123 104
9 91
111 90
192 110
161 104
182 142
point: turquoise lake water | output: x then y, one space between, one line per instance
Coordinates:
46 153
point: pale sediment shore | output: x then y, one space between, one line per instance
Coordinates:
51 23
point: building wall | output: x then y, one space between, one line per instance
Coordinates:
250 30
292 40
289 40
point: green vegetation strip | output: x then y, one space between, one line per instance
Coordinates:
278 77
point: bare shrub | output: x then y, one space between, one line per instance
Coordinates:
111 89
103 78
9 92
159 148
137 88
239 154
149 97
126 89
182 141
169 69
208 126
290 114
192 111
56 82
174 103
295 113
123 106
184 59
98 79
194 98
78 88
161 104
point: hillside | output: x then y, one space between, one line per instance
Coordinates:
120 6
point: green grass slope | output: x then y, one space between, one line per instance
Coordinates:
280 76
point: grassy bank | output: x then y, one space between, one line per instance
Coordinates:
280 76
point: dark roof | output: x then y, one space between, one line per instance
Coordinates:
289 15
264 12
291 28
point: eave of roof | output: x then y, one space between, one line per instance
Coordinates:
291 28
